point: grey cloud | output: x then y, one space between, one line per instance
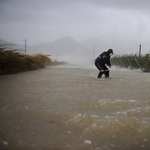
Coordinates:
124 4
123 23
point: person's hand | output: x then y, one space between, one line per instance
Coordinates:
109 66
111 54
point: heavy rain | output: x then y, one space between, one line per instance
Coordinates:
66 107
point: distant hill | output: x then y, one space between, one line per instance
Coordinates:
5 44
63 47
99 45
11 46
2 41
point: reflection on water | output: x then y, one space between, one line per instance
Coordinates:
65 108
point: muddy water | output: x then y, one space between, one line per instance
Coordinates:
68 108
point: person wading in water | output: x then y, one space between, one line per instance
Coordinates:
101 61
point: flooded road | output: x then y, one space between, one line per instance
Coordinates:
68 108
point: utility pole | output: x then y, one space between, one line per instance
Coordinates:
25 45
140 50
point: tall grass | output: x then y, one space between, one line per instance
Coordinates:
132 62
13 62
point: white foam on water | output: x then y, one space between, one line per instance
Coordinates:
6 143
87 142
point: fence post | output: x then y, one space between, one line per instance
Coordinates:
139 65
148 58
130 64
122 64
139 50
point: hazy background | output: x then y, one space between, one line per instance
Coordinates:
120 25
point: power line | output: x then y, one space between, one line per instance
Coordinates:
130 49
134 47
145 44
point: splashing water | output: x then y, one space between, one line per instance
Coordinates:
67 107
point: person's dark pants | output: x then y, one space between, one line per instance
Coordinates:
103 69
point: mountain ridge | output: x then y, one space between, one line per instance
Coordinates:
64 47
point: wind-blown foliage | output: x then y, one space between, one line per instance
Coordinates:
13 62
132 62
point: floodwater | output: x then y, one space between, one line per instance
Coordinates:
68 108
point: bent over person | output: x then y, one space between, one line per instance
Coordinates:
101 61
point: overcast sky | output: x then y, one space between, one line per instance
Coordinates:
41 21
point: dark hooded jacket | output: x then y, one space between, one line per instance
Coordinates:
104 58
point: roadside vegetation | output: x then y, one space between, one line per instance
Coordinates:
132 61
13 62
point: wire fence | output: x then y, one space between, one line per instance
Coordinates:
144 48
132 61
